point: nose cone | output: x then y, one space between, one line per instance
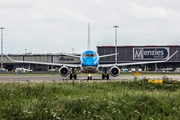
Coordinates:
90 61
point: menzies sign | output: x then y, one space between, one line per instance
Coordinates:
150 53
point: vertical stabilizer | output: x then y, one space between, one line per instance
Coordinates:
89 42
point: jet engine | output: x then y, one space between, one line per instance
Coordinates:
64 71
114 71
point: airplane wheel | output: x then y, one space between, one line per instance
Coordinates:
91 78
88 78
107 76
103 76
71 76
75 76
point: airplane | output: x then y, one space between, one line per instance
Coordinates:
89 63
23 70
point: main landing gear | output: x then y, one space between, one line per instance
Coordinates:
73 75
105 76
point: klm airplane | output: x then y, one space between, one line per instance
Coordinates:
89 63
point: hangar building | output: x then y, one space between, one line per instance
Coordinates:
133 53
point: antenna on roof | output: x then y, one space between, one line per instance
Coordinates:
89 42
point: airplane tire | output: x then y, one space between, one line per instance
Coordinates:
88 78
70 76
103 76
91 78
107 76
75 76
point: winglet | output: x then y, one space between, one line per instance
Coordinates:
172 55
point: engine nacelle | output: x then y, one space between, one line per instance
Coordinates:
114 71
64 71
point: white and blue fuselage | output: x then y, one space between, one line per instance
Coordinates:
89 61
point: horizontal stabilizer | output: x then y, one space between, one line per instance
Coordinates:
72 55
108 55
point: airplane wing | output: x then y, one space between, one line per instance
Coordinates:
44 63
136 63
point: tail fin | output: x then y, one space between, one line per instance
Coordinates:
89 42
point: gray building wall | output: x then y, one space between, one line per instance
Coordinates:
126 55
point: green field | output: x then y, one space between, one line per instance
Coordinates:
136 99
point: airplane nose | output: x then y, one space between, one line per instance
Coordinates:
89 61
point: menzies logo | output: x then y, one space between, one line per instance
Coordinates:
66 59
150 53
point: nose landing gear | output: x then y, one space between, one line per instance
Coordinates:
89 77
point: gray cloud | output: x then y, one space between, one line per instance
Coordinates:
55 26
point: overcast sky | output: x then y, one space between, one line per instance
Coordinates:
55 26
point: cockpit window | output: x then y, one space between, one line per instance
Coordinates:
89 55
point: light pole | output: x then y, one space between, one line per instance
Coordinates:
116 42
1 47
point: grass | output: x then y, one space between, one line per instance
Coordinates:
136 99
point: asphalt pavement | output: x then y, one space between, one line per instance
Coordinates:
51 78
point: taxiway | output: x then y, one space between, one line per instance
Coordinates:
51 78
